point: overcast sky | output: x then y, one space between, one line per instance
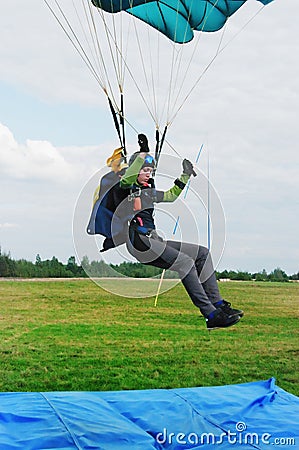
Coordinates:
56 132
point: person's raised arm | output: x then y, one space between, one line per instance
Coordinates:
173 193
131 174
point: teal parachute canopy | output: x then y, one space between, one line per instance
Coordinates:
177 19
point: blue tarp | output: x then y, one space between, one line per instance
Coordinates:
243 416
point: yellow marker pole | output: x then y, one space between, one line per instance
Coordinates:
159 287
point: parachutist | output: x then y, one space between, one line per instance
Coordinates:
123 212
192 262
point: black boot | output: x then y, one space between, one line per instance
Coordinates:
221 320
226 308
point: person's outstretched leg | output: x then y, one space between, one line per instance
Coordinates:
162 254
204 267
206 275
168 255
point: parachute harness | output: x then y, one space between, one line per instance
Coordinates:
119 123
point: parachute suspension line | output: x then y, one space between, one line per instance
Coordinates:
151 84
120 46
179 89
170 80
98 50
116 47
133 79
118 41
110 39
176 60
179 58
148 75
157 111
117 112
160 78
121 58
174 150
99 53
91 48
71 35
67 28
148 105
198 39
201 75
143 66
154 91
164 112
116 51
152 74
218 52
123 53
113 39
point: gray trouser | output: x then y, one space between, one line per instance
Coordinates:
192 262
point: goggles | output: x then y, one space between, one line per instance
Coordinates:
149 161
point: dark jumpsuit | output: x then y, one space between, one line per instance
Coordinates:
192 262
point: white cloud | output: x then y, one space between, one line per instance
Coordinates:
35 160
39 187
41 160
8 225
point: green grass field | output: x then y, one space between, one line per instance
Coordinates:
72 335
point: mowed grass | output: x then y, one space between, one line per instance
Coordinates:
72 335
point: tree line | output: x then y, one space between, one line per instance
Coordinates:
53 268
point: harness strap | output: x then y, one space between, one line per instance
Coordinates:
122 123
137 225
159 144
118 122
